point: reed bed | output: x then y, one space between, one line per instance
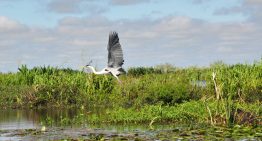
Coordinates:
218 94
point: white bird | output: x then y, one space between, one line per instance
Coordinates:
115 58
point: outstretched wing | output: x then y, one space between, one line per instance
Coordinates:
115 53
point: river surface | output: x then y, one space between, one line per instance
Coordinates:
65 124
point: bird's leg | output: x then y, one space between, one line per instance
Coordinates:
117 78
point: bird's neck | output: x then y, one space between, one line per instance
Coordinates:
96 72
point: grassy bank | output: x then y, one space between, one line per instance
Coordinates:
218 94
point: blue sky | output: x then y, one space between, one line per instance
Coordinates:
69 33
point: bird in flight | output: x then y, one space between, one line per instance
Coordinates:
115 58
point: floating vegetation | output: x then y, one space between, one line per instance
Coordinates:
177 133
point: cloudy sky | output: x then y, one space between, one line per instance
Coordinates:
69 33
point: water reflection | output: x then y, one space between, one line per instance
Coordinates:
61 124
26 124
18 119
30 118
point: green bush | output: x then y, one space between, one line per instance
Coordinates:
141 86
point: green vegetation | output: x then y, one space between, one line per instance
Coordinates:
219 94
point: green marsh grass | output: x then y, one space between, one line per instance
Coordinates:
161 93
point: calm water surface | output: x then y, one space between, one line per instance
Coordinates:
60 124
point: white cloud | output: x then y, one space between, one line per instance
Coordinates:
64 6
200 1
9 25
76 7
127 2
249 8
253 2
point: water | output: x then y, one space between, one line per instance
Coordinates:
199 83
59 124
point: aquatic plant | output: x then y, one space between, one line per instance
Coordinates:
221 97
